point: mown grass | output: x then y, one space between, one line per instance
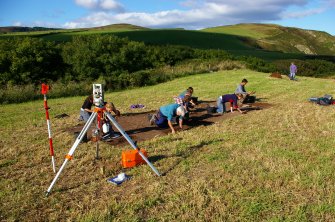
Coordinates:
270 165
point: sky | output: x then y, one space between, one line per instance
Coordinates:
188 14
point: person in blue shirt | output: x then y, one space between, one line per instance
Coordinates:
232 99
165 114
185 99
189 91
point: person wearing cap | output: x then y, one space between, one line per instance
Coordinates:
232 99
247 98
85 111
165 114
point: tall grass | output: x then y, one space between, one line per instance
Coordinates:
30 92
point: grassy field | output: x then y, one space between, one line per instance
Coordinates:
276 164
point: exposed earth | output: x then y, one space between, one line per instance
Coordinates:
276 75
137 125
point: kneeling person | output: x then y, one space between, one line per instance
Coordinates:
107 129
86 109
247 96
232 99
164 116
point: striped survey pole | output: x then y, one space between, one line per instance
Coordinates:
44 91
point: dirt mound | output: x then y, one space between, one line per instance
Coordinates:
276 75
137 125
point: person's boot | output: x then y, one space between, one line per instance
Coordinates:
153 119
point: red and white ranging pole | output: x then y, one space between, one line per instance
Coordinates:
44 91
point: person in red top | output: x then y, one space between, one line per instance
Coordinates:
232 99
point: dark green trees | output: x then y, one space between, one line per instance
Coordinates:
29 60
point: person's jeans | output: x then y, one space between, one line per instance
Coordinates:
84 115
221 106
162 120
314 99
292 75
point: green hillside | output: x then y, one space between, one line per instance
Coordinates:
284 39
265 41
11 29
194 39
65 34
275 164
119 27
254 31
237 45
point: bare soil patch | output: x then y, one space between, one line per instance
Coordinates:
276 75
137 125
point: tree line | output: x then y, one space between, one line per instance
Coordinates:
32 60
120 62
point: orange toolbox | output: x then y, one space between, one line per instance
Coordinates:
131 158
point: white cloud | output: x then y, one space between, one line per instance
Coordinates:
17 23
190 3
199 13
36 24
87 3
305 13
330 3
101 5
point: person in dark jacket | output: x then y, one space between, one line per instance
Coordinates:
232 99
85 111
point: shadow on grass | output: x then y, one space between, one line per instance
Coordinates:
183 155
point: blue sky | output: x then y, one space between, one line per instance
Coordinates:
188 14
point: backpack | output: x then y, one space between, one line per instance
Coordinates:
250 99
323 101
211 110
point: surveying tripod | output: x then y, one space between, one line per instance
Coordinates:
97 114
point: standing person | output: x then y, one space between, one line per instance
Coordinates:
246 95
85 111
232 99
164 116
293 71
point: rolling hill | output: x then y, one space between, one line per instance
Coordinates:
284 39
10 29
266 41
